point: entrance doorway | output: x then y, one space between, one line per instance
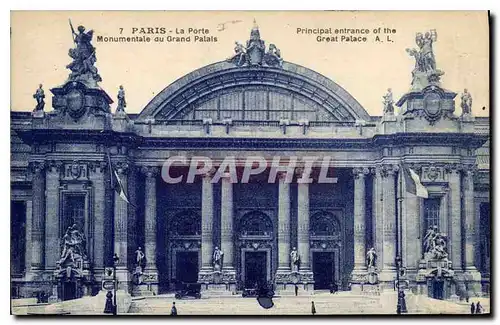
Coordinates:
186 267
69 290
255 269
437 289
323 270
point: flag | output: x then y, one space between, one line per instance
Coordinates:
413 184
116 182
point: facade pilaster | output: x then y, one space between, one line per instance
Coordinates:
389 173
38 220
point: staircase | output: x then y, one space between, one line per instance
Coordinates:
326 304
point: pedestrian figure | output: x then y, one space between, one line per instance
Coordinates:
296 291
331 288
479 308
173 311
108 307
472 308
313 308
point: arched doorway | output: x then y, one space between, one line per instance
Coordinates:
326 246
255 235
184 246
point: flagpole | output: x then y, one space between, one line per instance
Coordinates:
399 259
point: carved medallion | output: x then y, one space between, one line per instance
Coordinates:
75 103
432 107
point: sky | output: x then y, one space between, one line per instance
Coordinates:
40 41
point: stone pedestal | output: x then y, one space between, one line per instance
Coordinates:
217 290
79 105
389 124
467 123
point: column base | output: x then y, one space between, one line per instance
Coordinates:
365 289
472 278
359 275
123 278
217 283
294 283
149 285
283 275
387 278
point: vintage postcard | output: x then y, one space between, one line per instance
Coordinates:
250 163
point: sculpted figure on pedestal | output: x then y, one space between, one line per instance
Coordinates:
425 71
39 95
254 53
83 55
466 103
388 102
73 245
239 58
371 258
217 259
435 244
294 260
121 100
139 257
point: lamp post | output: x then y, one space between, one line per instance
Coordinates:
401 305
115 260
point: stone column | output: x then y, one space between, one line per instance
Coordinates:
359 222
303 241
455 224
120 228
29 222
207 222
470 231
389 219
38 218
284 248
378 216
98 177
473 277
227 244
150 173
52 230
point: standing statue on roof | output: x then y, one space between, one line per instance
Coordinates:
83 55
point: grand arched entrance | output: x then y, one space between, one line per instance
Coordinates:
255 242
184 246
326 248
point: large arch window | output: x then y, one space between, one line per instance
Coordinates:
324 224
255 223
186 223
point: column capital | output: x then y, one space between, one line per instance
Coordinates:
37 167
451 168
211 173
54 165
360 171
122 168
469 169
387 170
150 171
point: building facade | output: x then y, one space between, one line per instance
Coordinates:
69 218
